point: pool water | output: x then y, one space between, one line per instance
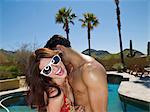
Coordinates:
20 105
17 104
20 109
114 103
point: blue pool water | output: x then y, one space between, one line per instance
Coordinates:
114 103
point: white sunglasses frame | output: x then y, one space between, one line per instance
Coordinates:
49 64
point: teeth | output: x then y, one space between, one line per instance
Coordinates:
58 71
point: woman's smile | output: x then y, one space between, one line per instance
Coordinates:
60 72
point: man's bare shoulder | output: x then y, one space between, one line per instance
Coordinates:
94 76
90 61
92 68
93 65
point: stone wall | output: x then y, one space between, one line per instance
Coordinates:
9 84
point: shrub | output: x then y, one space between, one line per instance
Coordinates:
8 72
21 58
118 66
14 63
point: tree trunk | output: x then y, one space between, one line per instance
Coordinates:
148 48
89 41
67 29
67 33
131 48
119 30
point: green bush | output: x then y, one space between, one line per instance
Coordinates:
3 68
12 69
8 72
118 66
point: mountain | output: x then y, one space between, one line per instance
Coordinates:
105 54
98 53
136 52
6 52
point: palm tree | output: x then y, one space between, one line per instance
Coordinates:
119 30
90 21
148 48
65 16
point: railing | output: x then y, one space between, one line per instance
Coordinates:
3 105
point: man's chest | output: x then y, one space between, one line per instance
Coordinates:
76 82
79 88
75 78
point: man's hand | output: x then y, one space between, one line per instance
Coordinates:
79 109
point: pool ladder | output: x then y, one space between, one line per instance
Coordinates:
3 105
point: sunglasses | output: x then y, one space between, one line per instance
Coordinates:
47 70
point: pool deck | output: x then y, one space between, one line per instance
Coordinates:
136 88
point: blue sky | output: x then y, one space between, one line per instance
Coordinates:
33 21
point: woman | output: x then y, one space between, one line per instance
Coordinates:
49 89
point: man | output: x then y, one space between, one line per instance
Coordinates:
87 77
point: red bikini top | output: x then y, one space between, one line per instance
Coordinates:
67 106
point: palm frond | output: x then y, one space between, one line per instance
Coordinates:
81 20
84 25
73 16
72 22
96 23
90 20
65 16
64 25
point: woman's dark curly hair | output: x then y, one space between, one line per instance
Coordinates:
38 84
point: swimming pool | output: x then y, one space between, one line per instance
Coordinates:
115 105
17 103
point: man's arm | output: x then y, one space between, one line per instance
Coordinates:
55 104
94 77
